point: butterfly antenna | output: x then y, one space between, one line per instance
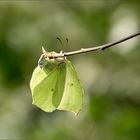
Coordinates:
66 48
60 42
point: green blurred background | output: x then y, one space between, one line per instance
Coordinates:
111 78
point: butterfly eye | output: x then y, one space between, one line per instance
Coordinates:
41 61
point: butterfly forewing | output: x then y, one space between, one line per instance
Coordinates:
42 85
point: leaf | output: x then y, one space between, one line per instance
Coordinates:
56 86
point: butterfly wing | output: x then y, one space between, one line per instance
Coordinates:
72 98
60 84
42 84
56 86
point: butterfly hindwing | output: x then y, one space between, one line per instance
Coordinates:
60 84
72 99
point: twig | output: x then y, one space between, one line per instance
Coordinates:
52 55
102 47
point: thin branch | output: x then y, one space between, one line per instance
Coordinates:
52 55
99 48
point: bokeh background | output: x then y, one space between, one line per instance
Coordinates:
111 78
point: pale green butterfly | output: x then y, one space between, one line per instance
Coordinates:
55 85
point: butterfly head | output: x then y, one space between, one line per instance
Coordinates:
50 57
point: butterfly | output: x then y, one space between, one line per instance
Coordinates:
55 85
